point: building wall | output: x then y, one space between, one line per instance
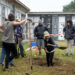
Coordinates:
9 7
6 7
35 20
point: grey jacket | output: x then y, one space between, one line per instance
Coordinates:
69 31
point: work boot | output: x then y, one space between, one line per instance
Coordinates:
71 54
40 53
66 54
12 65
52 64
2 64
6 70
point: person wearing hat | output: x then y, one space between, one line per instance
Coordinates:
49 45
39 35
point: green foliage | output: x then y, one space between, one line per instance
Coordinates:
70 7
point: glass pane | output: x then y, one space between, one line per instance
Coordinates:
9 11
3 11
0 19
0 10
6 13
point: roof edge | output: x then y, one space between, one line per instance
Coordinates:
51 13
28 9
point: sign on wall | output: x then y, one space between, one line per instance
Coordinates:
61 26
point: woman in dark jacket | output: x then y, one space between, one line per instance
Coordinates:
68 32
49 45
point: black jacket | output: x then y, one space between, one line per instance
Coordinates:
49 48
39 31
69 31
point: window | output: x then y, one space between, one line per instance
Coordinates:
43 20
48 22
7 12
18 15
0 10
3 11
3 14
0 14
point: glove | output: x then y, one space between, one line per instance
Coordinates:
56 46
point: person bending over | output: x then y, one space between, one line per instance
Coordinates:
49 45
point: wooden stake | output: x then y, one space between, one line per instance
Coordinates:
30 45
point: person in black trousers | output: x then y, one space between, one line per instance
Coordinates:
8 39
49 45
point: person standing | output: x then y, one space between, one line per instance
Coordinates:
9 39
39 34
68 33
19 37
3 53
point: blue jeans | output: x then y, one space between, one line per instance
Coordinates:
74 39
3 56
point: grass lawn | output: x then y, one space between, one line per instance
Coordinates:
63 65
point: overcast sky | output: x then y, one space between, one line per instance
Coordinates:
46 5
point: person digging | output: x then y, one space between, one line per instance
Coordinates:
50 48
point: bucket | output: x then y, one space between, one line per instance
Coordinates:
33 44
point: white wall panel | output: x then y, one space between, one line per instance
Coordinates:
73 19
61 26
0 14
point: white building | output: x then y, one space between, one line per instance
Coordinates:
14 6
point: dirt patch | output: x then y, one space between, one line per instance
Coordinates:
39 61
42 62
57 62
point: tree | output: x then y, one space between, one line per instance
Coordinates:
70 7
